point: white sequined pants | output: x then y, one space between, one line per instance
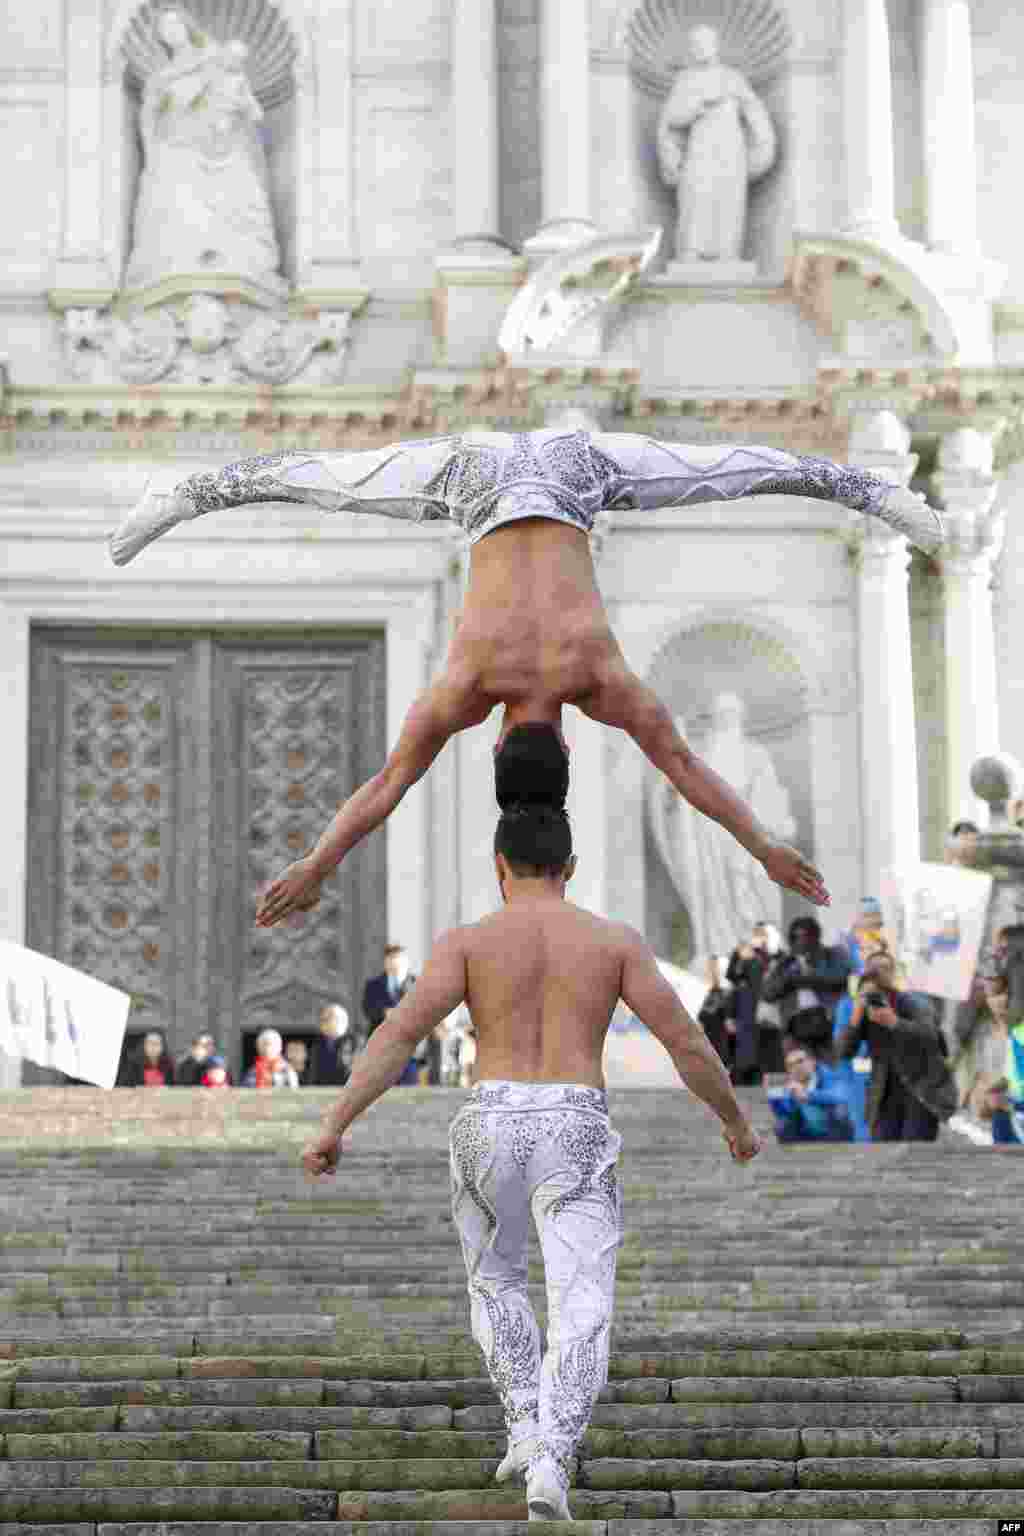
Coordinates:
548 1148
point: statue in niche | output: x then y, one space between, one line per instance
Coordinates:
203 203
725 891
714 136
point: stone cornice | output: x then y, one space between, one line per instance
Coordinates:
933 400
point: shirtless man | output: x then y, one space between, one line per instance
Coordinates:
541 978
533 633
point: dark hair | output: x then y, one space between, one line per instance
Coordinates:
534 839
393 949
809 925
963 826
532 767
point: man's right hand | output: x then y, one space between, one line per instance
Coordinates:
744 1142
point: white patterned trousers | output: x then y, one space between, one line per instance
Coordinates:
548 1148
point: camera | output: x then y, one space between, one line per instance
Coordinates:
875 1000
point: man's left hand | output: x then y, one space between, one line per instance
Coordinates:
788 868
886 1016
296 889
321 1156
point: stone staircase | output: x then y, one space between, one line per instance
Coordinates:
196 1341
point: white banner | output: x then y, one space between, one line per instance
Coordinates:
58 1017
935 918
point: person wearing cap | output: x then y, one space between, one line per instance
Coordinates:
864 936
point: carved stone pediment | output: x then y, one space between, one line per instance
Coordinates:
195 336
873 304
550 313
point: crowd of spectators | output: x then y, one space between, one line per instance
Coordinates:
862 1056
445 1058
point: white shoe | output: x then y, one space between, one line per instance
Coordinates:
154 514
545 1496
909 513
514 1464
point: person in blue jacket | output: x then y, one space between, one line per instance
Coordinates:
812 1105
1007 1115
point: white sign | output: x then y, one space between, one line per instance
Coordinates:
935 920
59 1017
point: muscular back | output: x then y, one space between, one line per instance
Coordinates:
543 980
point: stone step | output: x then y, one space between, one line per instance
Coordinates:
819 1344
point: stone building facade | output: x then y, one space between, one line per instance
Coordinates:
460 204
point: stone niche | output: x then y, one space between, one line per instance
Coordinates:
699 667
208 114
754 38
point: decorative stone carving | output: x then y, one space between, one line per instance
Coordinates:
572 287
714 136
203 203
724 890
204 340
967 490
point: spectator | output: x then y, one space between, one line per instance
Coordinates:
270 1069
863 937
216 1074
715 1016
961 844
747 965
811 1106
151 1066
296 1054
384 992
982 1060
335 1049
911 1086
1005 1114
806 982
189 1069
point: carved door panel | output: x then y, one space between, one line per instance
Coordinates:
173 774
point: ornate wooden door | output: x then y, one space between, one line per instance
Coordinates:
174 773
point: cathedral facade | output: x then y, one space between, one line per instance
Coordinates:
245 225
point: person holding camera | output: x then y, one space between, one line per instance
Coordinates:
912 1088
747 965
806 982
810 1106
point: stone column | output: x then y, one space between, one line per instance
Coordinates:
889 797
564 124
475 118
947 126
866 85
966 489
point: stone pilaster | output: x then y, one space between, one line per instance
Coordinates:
866 84
967 490
889 791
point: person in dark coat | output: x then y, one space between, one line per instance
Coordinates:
747 965
335 1050
716 1012
912 1088
384 992
807 981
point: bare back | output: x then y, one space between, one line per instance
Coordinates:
533 626
542 983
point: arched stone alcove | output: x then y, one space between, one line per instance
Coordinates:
278 68
759 661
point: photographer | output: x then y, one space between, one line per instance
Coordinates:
811 1105
747 965
912 1088
806 982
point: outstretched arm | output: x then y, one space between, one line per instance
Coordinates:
622 700
447 706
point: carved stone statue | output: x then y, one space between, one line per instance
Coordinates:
714 136
725 891
203 204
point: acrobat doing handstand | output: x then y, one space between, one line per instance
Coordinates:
533 633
